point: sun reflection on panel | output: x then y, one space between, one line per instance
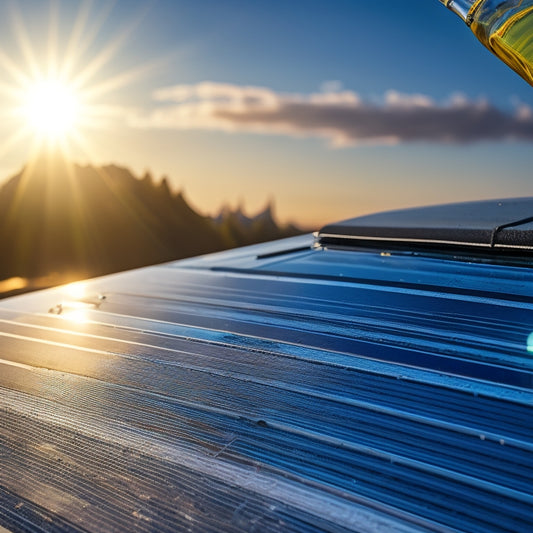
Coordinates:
78 303
77 289
80 314
530 343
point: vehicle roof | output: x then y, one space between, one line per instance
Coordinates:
286 386
504 224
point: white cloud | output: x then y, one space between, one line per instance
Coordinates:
339 116
396 99
331 86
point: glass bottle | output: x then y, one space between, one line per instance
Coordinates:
505 27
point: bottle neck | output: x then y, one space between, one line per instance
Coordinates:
460 7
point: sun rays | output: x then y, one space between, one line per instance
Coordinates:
57 84
63 77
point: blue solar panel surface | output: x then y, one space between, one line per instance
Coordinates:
282 387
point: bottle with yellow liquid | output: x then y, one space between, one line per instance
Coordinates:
505 27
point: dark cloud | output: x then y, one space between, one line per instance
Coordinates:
341 117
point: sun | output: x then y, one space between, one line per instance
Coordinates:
51 108
56 87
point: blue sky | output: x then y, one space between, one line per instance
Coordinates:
329 108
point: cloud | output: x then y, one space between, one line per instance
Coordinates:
339 116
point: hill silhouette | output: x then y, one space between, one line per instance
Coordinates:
82 221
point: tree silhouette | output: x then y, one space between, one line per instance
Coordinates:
83 221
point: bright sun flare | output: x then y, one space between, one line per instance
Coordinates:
51 93
51 108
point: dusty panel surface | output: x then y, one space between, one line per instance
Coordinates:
282 387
